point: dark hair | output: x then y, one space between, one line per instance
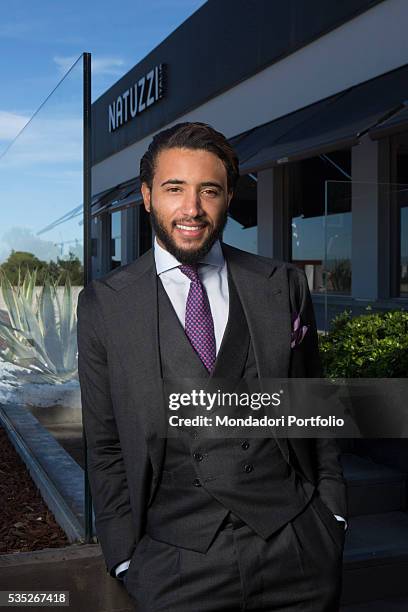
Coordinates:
190 136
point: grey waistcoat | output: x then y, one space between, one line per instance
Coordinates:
204 478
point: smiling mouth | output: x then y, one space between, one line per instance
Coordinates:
189 228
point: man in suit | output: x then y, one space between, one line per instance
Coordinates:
191 522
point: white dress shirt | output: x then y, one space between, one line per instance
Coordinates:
212 271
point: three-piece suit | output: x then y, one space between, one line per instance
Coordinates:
208 524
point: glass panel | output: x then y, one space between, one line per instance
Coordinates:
355 281
315 240
41 241
337 264
308 248
241 230
116 239
312 233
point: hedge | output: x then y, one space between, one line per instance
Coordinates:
366 346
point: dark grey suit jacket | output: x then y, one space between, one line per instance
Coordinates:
119 370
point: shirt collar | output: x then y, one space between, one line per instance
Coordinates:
166 261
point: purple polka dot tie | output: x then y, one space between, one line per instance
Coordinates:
199 324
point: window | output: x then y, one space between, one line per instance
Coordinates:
116 239
404 250
241 230
402 212
322 246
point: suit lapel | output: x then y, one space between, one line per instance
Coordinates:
263 289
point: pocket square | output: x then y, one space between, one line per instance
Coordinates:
298 330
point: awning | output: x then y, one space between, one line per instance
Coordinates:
334 123
118 198
398 122
253 142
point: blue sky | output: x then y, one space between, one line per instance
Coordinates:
40 40
40 173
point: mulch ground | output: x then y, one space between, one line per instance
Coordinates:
26 524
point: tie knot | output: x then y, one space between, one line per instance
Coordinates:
191 271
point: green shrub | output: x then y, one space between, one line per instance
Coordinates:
20 262
367 346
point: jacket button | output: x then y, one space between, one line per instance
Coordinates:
245 445
248 468
196 482
198 456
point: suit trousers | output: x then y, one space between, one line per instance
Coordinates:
298 568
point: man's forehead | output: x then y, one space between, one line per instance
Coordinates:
188 161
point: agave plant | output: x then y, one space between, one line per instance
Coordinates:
41 334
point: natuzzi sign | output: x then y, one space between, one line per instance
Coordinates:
140 96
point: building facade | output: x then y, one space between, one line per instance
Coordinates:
313 95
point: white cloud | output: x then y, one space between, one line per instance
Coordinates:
23 239
108 65
113 66
11 124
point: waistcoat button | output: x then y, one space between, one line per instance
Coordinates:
196 482
198 456
245 445
248 467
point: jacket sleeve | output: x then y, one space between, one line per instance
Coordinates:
105 465
306 363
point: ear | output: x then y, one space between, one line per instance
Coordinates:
146 195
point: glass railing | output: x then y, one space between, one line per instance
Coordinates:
42 272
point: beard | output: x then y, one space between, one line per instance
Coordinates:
187 256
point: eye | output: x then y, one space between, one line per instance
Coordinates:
173 189
210 192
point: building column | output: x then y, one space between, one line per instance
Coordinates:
370 214
272 217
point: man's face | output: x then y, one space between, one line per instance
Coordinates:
188 202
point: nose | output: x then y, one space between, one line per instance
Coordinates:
191 205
